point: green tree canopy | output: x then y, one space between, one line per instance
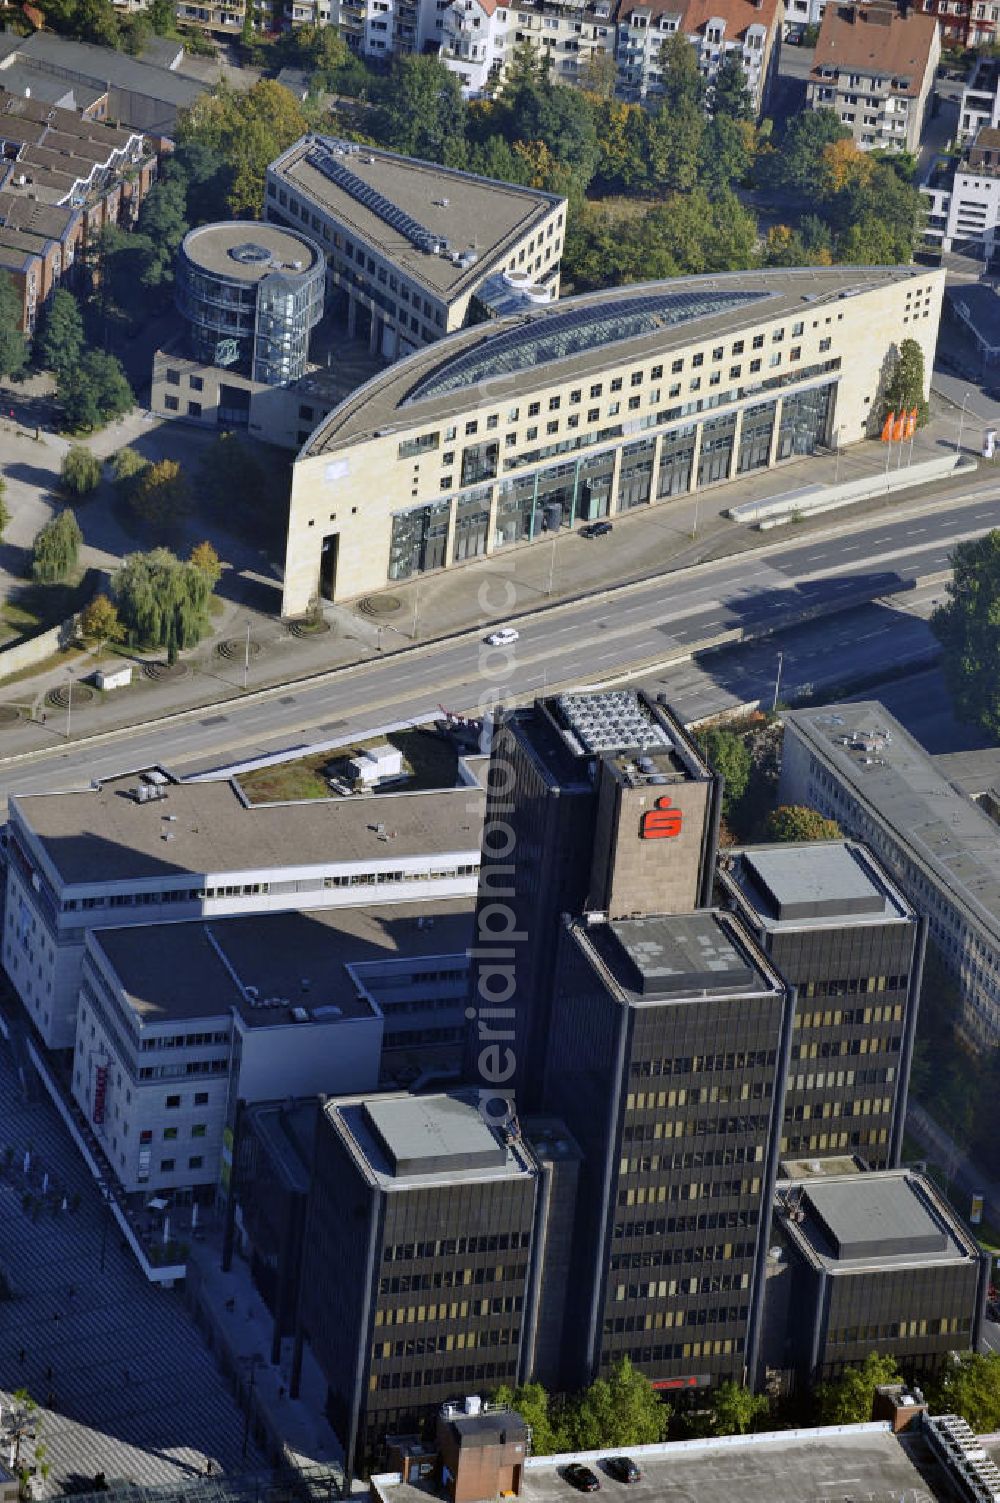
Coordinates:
60 342
730 94
94 391
80 472
425 114
163 221
729 755
971 1387
798 164
904 388
735 1409
848 1400
531 1402
968 628
620 1410
56 549
13 345
797 822
246 131
5 513
159 495
162 602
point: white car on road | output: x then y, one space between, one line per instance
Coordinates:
504 636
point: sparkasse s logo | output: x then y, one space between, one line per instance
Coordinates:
662 822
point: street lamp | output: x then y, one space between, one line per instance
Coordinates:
246 660
777 683
253 1362
961 422
69 706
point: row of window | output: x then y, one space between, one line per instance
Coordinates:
658 1195
697 1064
419 1377
448 1247
666 1257
458 1278
718 1283
853 987
838 1048
707 1315
899 1330
454 1341
707 1221
403 1315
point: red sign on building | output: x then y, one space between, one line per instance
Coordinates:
662 822
100 1093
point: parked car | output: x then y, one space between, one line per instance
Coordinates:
623 1469
597 530
504 636
582 1478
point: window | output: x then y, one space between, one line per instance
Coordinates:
738 347
734 372
554 404
824 345
169 1133
616 384
492 421
798 329
171 403
196 1161
146 1135
614 408
172 1103
677 366
593 414
576 397
194 409
596 391
197 384
636 378
553 426
777 336
471 427
173 378
166 1166
758 341
718 352
697 360
534 408
201 1098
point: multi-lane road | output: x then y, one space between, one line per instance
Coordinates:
640 629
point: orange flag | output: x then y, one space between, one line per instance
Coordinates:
899 428
887 427
911 423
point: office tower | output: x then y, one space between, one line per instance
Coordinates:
420 1261
842 934
670 1034
595 801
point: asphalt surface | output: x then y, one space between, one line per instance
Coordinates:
590 641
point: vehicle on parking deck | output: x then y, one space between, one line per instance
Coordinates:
582 1478
623 1469
597 530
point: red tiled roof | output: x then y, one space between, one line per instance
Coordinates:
694 15
875 38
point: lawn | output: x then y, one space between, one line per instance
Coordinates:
429 759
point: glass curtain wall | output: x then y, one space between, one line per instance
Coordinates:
635 480
419 539
755 437
676 461
594 481
472 520
716 449
804 419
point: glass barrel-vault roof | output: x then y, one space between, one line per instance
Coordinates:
559 335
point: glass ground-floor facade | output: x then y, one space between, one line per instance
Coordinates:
620 476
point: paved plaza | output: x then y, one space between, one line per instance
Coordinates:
126 1384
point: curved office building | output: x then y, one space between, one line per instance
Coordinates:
591 407
250 294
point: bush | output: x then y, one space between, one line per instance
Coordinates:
80 472
56 549
796 822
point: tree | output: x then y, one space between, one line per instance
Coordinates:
798 165
848 1400
162 600
126 464
971 1387
620 1410
162 17
968 628
729 755
797 822
727 152
735 1409
56 549
160 495
162 220
80 472
205 558
94 391
532 1403
729 93
246 131
29 1452
100 623
904 389
13 345
5 512
61 339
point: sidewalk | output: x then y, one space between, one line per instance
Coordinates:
648 542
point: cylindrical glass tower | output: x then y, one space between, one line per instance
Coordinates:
250 294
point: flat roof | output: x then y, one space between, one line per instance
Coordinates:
250 250
404 1142
677 956
170 972
433 1134
813 884
863 1461
104 67
888 1218
573 339
892 774
472 213
96 836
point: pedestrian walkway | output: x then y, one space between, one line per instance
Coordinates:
647 542
124 1380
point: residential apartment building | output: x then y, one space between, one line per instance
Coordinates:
670 1044
611 806
965 23
588 408
963 210
749 30
841 933
874 66
115 856
63 177
856 764
867 1263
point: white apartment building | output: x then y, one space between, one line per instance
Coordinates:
178 1022
963 209
132 851
980 104
717 29
856 764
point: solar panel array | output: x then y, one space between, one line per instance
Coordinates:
332 168
548 337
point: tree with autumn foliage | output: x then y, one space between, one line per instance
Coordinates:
246 131
100 623
205 558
